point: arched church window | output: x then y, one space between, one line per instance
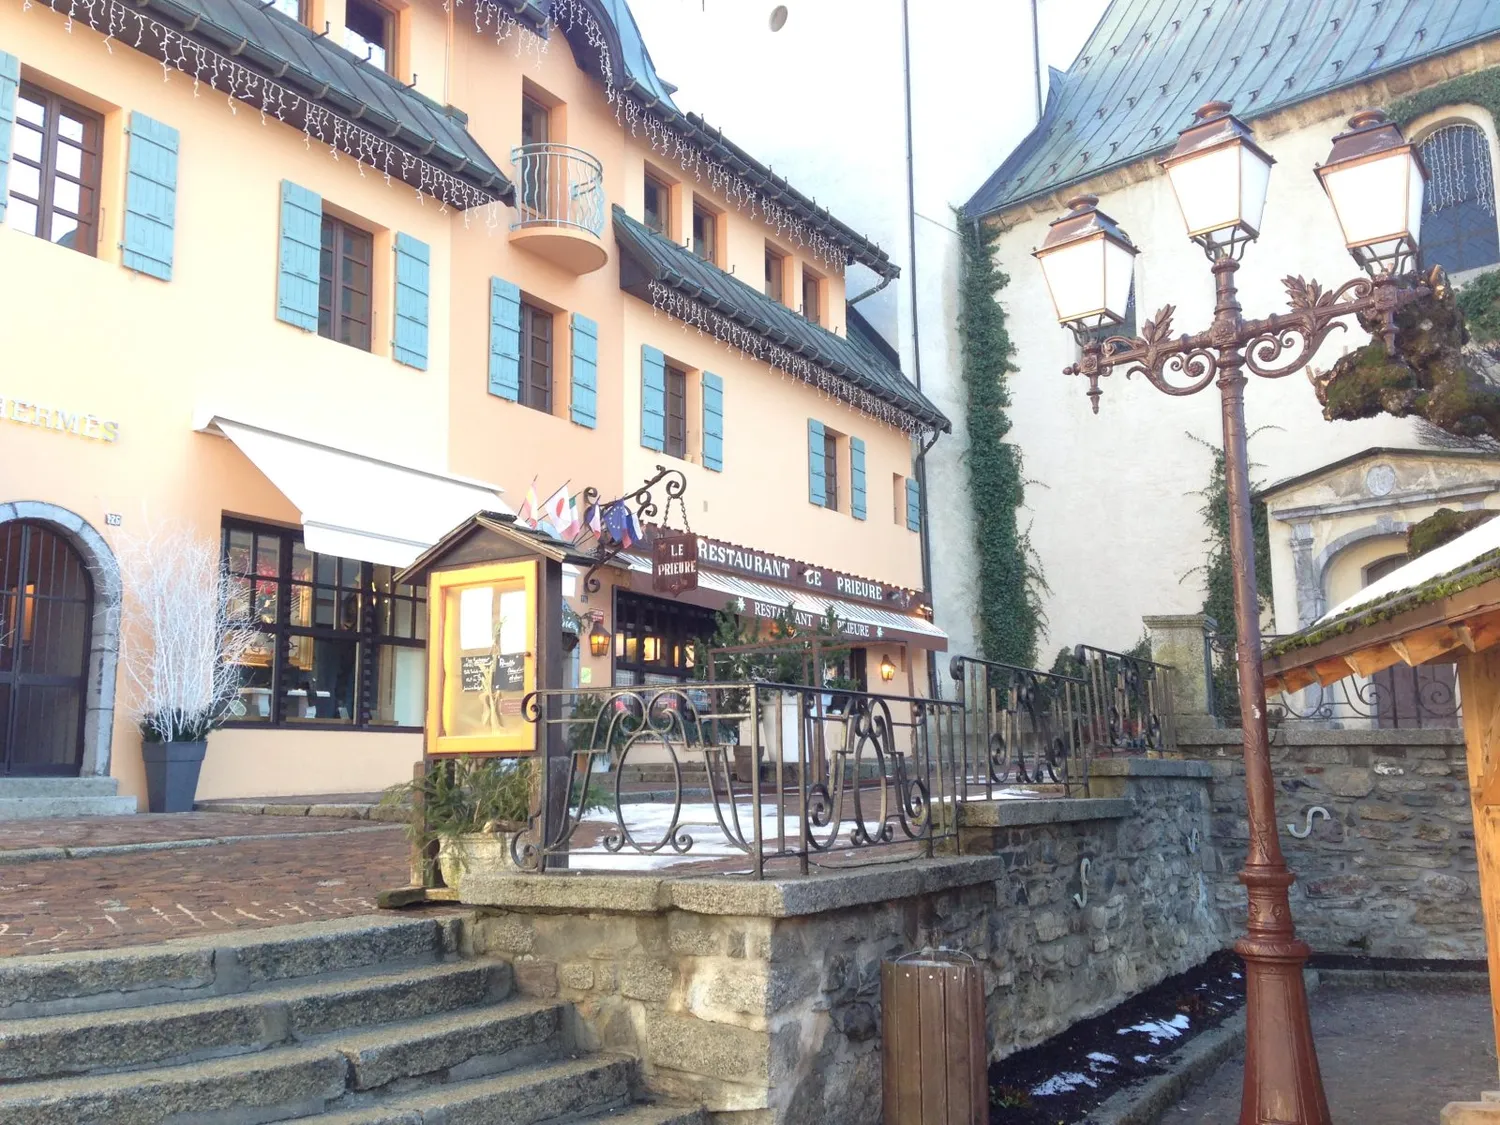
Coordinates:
1458 211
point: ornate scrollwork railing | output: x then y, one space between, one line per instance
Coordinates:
1024 727
872 774
1130 700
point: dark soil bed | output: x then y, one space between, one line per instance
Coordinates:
1060 1081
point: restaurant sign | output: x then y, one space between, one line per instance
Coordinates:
762 565
674 564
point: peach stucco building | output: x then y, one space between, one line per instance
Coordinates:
320 278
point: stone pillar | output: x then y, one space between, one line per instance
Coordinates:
1181 640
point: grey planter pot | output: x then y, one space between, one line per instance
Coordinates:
172 774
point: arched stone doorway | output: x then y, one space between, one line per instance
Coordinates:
59 643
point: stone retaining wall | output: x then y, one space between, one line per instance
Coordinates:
1391 872
762 999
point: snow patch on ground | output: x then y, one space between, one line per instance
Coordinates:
1101 1057
1161 1031
1062 1083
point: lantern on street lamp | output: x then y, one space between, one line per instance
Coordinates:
1087 261
1375 180
1219 175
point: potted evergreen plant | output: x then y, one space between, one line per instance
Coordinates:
183 639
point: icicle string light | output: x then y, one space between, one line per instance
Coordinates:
664 137
1458 168
753 345
239 83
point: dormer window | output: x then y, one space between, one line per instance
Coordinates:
657 205
370 33
705 234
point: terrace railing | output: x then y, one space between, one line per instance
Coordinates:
1024 727
1130 700
841 774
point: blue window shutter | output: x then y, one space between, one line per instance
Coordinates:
653 398
505 339
857 478
583 401
150 197
300 256
412 261
817 471
913 505
10 79
713 422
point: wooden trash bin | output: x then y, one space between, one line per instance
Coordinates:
936 1063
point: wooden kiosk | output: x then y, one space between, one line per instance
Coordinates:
1442 607
494 636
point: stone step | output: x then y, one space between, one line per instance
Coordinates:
288 1082
650 1115
46 808
219 964
58 787
193 1030
1471 1113
556 1091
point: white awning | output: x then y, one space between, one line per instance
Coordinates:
357 506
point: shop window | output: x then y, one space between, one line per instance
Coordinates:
676 428
370 33
54 170
658 640
658 206
705 234
1458 206
812 296
344 283
341 644
775 272
536 357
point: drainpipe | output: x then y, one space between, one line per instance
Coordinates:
923 533
1036 54
870 292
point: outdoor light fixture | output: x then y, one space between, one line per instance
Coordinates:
1375 180
599 638
1087 261
1219 175
887 668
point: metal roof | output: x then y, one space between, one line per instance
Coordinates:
1150 63
858 363
323 72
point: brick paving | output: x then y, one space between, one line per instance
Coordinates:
58 905
149 828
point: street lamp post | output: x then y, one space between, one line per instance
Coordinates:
1374 180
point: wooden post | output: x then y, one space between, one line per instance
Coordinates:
423 857
1479 679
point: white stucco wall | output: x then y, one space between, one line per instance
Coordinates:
822 101
1118 526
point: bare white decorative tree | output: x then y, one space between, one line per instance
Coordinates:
181 643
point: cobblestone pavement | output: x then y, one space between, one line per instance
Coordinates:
150 828
55 905
1388 1058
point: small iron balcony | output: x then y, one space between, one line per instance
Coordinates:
560 205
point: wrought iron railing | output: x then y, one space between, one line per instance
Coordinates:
1400 697
558 186
1024 727
1131 699
796 776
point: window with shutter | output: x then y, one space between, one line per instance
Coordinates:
583 396
913 505
298 282
536 357
505 339
713 422
653 398
412 263
344 289
10 84
676 400
817 469
150 197
49 163
857 497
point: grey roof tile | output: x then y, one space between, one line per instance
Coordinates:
858 361
1150 63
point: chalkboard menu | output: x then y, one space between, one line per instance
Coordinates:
510 674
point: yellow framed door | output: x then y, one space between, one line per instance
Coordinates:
481 658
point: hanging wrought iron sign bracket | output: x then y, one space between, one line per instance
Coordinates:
674 485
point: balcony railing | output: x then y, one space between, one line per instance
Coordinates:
558 186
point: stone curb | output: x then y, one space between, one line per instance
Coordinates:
1145 1104
1405 980
29 855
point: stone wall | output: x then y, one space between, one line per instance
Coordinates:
762 999
1391 871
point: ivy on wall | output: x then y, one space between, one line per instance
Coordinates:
1010 582
1481 88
